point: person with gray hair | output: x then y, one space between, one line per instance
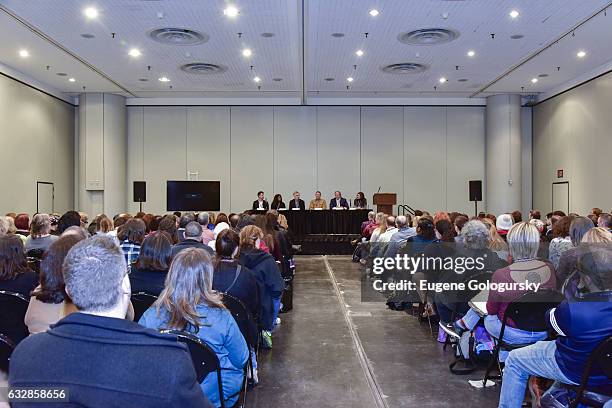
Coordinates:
400 236
183 221
207 234
40 233
97 335
193 239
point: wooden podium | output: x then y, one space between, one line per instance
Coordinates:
385 202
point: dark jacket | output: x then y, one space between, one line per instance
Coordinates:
24 283
343 203
268 276
276 206
245 287
190 243
299 205
265 204
107 362
150 281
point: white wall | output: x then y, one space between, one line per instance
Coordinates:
572 132
424 154
37 139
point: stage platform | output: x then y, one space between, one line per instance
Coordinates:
325 244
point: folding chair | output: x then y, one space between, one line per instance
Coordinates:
601 357
141 302
13 307
6 349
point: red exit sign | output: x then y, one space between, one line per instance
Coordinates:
560 173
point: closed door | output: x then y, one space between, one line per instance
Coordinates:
44 197
560 197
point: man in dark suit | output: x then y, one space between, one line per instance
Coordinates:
193 239
260 203
338 201
297 202
96 355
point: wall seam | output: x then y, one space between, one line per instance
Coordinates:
360 158
230 158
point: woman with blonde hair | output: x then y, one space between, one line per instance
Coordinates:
381 221
597 235
188 303
267 274
40 233
497 243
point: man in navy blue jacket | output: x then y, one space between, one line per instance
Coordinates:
338 201
101 359
581 325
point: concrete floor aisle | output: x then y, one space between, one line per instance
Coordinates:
371 357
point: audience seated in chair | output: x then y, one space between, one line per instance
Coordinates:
581 324
15 275
130 235
193 239
40 233
105 360
188 303
523 241
48 302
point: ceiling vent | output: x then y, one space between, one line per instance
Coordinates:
404 68
178 36
428 36
203 68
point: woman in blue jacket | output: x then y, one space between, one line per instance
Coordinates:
188 303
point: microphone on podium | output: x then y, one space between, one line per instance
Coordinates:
379 187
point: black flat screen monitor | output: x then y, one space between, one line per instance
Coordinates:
193 195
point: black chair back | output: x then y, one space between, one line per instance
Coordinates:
141 302
600 357
204 359
35 253
13 307
6 349
243 318
528 312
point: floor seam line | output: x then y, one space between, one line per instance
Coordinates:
375 389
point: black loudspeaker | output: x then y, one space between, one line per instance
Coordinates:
475 190
140 191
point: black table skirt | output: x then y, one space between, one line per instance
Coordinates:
324 221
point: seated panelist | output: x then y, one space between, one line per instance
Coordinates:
260 203
360 201
297 202
278 203
338 201
318 202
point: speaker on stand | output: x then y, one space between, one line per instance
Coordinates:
475 194
140 192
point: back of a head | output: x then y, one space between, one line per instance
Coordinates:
41 225
517 216
51 289
440 215
4 225
596 264
133 230
597 235
186 219
233 220
168 224
103 223
523 241
249 235
371 215
189 284
401 221
221 217
203 218
596 211
79 232
226 243
22 222
245 220
425 227
460 221
12 258
445 229
390 221
475 235
605 221
94 270
155 252
504 222
193 230
121 219
578 227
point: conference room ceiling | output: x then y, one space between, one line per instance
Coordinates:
532 53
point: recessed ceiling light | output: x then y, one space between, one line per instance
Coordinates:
88 36
581 54
471 53
442 80
72 80
534 80
24 53
462 80
514 14
257 79
231 11
374 12
267 35
277 79
143 79
359 53
247 52
134 52
91 13
516 36
349 79
329 79
543 75
164 79
62 74
337 35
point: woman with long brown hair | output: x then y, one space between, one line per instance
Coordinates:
189 303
